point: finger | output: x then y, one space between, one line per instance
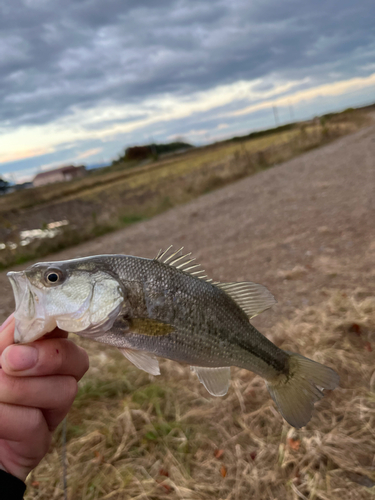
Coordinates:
55 417
56 356
6 322
21 423
56 392
27 435
7 333
54 395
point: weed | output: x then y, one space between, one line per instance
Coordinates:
131 218
97 389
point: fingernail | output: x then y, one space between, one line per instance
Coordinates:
21 357
6 323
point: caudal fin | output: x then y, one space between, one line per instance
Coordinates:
296 392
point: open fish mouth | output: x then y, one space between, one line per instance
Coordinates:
30 315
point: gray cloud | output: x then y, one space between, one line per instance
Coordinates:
63 54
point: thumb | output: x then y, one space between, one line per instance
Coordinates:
7 333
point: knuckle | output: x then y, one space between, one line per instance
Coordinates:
43 445
46 443
52 359
59 356
62 357
70 389
85 364
36 422
10 389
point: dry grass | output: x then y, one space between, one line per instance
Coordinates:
317 133
133 436
115 199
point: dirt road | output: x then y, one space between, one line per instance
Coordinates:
299 228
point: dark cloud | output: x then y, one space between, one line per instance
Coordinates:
63 54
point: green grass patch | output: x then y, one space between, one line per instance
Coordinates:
131 218
98 390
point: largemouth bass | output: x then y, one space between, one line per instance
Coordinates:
165 307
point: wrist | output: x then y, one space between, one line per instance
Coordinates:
11 486
20 474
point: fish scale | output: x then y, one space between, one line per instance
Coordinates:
165 307
220 333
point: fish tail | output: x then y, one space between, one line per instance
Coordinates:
296 391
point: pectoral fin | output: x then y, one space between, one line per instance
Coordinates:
215 380
142 360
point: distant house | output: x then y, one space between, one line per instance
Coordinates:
59 175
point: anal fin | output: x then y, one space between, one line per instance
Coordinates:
142 360
215 380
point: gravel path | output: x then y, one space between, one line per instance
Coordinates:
299 228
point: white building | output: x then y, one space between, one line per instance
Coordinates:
59 175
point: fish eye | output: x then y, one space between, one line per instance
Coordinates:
53 276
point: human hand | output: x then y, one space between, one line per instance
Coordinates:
38 384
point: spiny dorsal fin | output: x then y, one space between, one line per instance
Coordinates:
251 297
180 261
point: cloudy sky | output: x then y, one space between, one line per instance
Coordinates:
82 79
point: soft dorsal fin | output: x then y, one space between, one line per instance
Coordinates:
215 380
180 261
251 297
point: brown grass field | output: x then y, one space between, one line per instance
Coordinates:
114 197
134 436
305 230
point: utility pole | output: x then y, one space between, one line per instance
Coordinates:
291 112
276 115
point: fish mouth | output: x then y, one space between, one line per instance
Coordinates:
31 319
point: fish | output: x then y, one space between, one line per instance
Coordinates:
167 307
